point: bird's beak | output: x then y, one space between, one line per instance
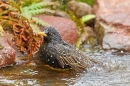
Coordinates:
42 34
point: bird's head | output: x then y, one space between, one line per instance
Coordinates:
51 34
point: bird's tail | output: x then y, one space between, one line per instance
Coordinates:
80 65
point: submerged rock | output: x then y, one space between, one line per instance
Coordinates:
66 27
112 27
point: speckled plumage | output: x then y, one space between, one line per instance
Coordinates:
59 54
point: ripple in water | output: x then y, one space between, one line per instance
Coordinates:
114 70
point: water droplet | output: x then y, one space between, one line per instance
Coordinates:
52 61
122 51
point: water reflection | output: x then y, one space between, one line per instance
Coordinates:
114 70
32 75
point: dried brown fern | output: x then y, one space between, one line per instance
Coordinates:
24 37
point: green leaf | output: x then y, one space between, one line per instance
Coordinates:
87 18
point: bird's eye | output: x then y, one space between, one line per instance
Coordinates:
51 34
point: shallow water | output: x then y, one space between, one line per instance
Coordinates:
114 70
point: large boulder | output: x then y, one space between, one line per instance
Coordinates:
113 27
66 27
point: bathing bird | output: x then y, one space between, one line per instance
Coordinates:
57 53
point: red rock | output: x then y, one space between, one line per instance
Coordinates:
113 11
113 16
66 27
7 53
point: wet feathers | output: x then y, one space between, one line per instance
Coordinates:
59 54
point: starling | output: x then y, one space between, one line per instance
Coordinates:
57 53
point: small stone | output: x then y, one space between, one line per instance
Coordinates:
79 8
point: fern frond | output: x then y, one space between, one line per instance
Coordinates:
39 11
36 6
9 7
28 2
40 22
34 9
19 16
14 4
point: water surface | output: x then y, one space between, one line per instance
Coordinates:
114 70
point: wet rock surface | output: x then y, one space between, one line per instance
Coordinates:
7 53
66 27
113 17
113 12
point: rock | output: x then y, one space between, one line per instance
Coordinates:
7 53
85 36
61 14
113 27
79 8
66 27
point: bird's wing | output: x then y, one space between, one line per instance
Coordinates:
68 55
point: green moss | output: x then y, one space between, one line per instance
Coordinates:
79 26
